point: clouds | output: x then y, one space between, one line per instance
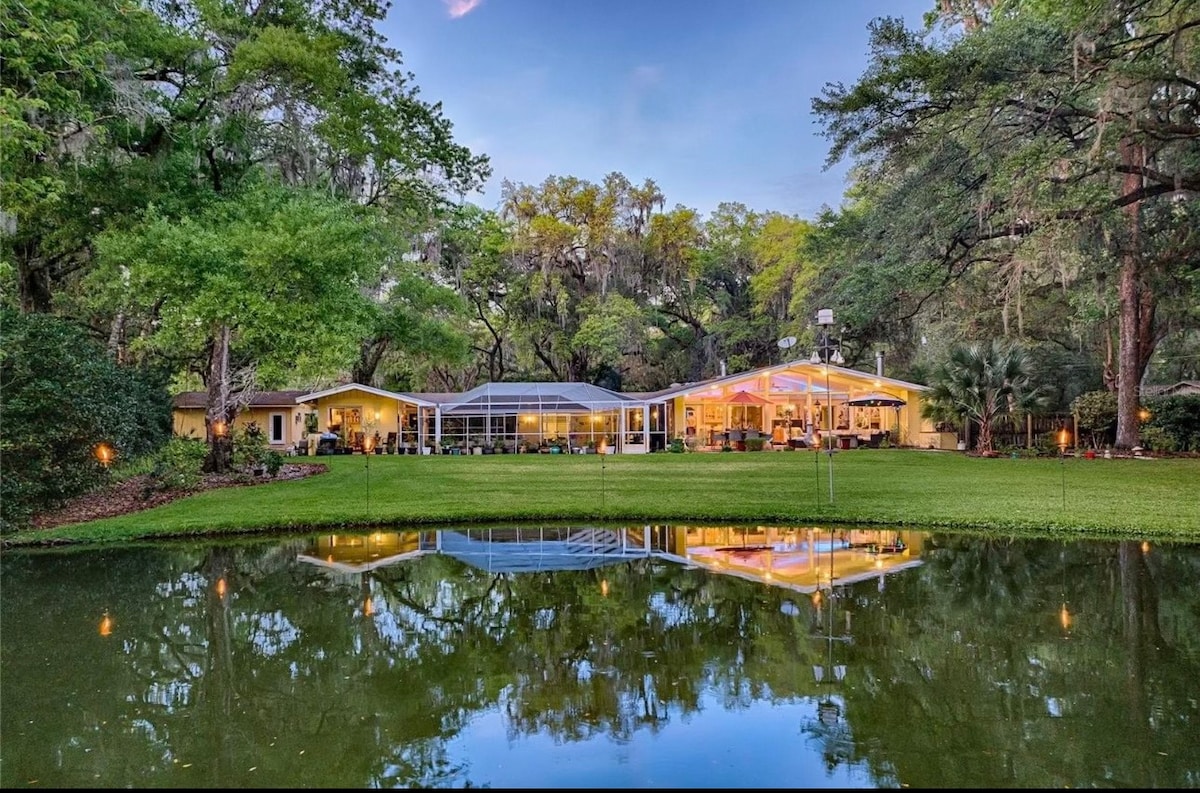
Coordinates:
460 8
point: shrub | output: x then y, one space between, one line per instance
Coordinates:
1097 414
1157 439
178 464
62 395
273 462
249 447
676 445
1179 417
755 444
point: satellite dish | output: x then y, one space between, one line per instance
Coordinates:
786 342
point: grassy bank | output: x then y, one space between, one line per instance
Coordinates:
1151 498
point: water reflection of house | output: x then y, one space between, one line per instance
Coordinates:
801 558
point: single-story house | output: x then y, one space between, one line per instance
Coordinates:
794 404
1183 387
276 413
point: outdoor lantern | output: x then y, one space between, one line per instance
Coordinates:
221 587
104 453
604 587
1144 414
368 607
106 625
1063 439
219 428
1064 617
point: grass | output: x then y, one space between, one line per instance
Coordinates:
1110 498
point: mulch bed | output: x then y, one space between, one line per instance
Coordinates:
137 493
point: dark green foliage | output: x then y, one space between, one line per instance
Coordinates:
273 461
177 465
249 447
1097 414
61 396
1179 417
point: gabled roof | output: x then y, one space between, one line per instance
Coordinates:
1182 387
794 366
263 399
341 389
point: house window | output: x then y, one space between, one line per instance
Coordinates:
275 428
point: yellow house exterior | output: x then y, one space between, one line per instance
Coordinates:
799 404
276 413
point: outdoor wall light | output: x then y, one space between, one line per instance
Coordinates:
219 428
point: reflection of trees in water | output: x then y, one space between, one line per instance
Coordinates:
286 673
1027 681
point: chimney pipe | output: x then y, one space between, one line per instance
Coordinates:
879 363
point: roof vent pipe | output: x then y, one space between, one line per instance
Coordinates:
879 363
722 368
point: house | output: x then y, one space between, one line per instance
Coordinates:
1176 389
276 413
793 404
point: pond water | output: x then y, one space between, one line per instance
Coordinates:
649 656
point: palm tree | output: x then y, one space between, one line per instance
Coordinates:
983 381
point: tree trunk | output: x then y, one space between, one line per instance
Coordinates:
33 283
369 356
1136 310
221 411
116 338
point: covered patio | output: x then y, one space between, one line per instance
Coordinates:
798 405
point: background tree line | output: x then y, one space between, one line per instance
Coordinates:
253 195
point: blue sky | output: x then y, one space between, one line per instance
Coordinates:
709 98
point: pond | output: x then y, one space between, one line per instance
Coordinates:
647 656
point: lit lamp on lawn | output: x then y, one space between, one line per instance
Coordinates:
368 446
1064 439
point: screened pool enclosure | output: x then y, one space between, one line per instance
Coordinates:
570 416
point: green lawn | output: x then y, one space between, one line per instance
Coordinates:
1144 498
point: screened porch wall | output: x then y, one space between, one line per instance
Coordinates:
576 430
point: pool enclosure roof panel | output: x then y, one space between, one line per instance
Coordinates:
537 397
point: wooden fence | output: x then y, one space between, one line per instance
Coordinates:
1032 432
